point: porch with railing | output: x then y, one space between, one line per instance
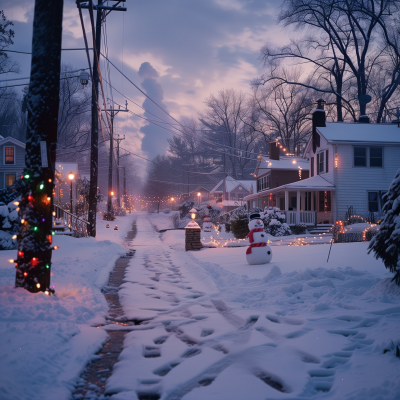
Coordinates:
296 217
63 219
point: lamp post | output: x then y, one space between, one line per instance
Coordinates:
71 177
172 204
199 197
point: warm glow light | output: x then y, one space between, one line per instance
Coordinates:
294 162
193 215
38 285
56 247
199 194
25 274
46 292
10 260
336 161
112 193
16 203
49 198
14 237
71 176
54 213
22 221
172 199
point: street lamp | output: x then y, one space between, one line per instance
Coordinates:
71 177
172 204
198 196
193 213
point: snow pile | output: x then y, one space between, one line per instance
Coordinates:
48 340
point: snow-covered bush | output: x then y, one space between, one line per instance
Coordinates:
275 222
185 207
9 226
176 219
386 244
239 223
166 210
120 212
109 216
213 211
299 228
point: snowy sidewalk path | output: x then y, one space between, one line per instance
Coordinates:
301 330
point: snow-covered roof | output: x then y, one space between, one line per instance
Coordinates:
315 183
356 132
231 184
284 162
12 140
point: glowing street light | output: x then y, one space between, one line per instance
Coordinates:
199 197
71 177
193 213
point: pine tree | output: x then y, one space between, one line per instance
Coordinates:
386 244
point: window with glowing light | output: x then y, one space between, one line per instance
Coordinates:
9 155
10 179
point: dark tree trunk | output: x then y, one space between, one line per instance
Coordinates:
94 144
35 236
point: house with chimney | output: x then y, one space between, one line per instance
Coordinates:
351 166
12 160
273 175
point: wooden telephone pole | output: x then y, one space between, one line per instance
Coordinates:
102 12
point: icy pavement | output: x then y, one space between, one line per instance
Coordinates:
216 328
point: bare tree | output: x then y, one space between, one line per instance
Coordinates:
284 110
227 118
348 36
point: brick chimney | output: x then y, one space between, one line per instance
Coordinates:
274 150
318 118
318 121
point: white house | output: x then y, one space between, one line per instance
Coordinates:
12 160
350 164
236 190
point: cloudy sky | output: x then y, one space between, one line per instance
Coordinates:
177 51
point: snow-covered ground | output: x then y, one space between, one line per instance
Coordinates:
218 328
214 327
46 341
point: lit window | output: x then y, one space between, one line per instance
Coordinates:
9 155
375 157
10 179
360 156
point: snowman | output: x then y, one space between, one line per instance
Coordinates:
258 252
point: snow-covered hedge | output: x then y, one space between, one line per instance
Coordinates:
275 222
9 225
239 223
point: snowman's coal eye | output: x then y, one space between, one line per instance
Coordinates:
262 235
269 252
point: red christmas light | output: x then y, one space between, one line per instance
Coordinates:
30 198
20 254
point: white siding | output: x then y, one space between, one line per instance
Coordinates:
353 183
331 156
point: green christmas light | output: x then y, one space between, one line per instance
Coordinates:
47 266
35 228
41 186
27 176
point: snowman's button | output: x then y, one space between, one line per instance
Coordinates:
269 252
262 235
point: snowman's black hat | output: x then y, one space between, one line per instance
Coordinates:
254 216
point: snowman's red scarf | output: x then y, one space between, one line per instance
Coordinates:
250 235
248 251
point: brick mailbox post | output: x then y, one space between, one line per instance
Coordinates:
192 233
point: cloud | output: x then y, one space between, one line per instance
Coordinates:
154 141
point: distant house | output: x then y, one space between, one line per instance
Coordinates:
351 166
272 174
199 198
12 160
62 192
236 191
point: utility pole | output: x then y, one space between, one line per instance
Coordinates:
102 11
35 239
110 160
118 186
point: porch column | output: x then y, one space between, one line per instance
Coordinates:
312 201
298 208
286 200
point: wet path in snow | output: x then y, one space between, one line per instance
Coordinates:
91 384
